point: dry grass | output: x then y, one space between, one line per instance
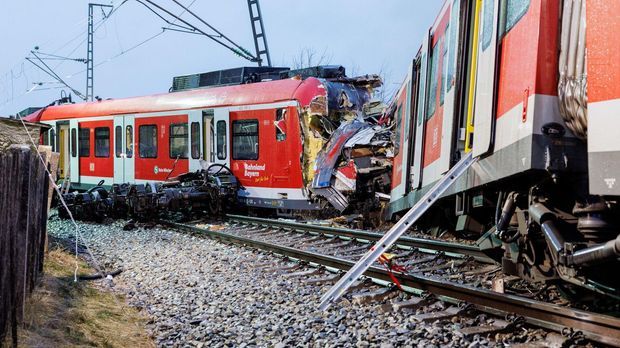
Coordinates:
62 313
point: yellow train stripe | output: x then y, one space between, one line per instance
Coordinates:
472 78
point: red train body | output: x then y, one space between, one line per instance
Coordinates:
530 87
261 131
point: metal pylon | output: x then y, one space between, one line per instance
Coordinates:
90 80
396 231
258 30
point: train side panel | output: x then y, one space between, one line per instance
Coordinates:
266 157
95 151
161 147
603 73
438 124
526 103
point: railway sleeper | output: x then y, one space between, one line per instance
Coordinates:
374 296
441 315
305 273
330 279
497 326
410 304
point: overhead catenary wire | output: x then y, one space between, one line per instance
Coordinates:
9 77
79 23
232 46
152 37
120 54
53 74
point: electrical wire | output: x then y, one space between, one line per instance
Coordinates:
119 54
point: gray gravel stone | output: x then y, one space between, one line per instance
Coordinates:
199 292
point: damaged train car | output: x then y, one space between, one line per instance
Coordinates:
300 143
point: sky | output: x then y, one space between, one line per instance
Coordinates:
365 36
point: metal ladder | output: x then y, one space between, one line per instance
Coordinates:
396 231
256 18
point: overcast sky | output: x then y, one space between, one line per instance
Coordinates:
365 36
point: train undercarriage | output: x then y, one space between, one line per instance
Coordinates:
544 229
207 192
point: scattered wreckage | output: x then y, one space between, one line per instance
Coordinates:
209 191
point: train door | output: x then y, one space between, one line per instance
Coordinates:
282 121
486 76
402 146
222 136
194 118
208 136
124 162
416 180
74 161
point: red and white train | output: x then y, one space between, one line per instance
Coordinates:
529 87
264 132
532 89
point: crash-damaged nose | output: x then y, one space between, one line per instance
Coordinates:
354 165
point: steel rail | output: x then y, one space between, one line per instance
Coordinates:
412 242
596 327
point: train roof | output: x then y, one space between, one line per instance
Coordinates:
255 93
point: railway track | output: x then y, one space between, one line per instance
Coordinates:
429 263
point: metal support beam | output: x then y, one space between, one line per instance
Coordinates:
90 80
396 231
258 31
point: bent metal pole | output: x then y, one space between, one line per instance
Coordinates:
396 231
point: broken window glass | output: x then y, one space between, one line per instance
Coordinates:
280 125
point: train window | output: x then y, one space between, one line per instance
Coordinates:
52 140
118 141
221 140
399 122
84 142
129 141
73 143
211 143
45 137
195 140
178 140
245 140
515 10
432 92
102 142
488 23
444 71
148 141
280 125
453 45
422 90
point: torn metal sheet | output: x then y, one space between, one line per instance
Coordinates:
330 154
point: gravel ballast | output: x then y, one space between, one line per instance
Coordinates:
204 293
